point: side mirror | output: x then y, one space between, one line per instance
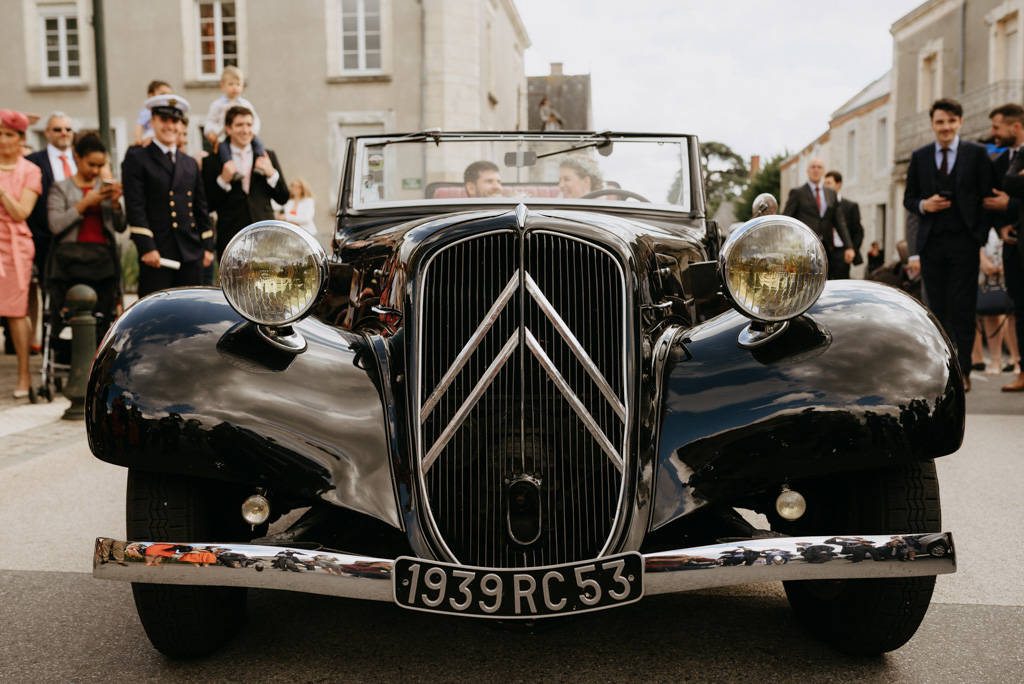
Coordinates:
764 204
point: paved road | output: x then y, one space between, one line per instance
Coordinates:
57 624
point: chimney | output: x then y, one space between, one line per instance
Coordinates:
755 165
556 68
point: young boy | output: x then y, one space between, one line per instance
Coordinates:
143 129
232 84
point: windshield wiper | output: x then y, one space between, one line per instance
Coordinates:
604 146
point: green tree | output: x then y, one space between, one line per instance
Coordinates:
725 175
769 179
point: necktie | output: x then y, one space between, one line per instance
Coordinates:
67 167
817 198
170 157
246 170
944 169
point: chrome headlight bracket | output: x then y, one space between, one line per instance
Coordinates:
759 332
284 338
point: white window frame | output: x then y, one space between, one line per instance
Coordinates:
997 48
882 145
361 69
218 38
929 93
851 154
62 13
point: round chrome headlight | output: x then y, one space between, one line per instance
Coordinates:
773 268
273 272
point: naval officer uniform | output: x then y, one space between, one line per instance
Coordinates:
166 207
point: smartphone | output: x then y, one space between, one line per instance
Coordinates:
946 194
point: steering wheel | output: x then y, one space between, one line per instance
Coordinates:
624 194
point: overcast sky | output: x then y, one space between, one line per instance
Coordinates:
762 76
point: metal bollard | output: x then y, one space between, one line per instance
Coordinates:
80 299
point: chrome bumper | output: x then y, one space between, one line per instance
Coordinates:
666 572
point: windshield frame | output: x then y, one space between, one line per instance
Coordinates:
357 146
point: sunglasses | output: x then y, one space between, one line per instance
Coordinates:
58 130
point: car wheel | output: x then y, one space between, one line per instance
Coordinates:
186 621
867 616
938 549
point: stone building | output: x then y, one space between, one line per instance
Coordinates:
969 51
317 71
569 95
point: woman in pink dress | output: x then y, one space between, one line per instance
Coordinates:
20 186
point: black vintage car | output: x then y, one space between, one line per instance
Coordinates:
530 381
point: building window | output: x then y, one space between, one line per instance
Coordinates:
851 155
60 41
929 74
1007 53
882 144
360 36
217 37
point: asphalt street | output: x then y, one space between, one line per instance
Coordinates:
58 624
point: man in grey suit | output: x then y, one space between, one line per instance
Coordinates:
818 207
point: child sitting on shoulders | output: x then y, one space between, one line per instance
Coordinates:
232 83
143 127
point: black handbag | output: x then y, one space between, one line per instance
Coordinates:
993 299
83 262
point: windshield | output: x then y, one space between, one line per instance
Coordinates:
575 169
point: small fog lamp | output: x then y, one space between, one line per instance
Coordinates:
790 505
256 510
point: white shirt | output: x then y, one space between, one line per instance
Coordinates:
244 160
950 156
165 149
57 165
821 190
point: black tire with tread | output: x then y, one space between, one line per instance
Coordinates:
868 616
186 621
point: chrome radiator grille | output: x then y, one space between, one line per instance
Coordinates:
522 358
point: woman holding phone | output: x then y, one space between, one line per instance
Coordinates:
85 215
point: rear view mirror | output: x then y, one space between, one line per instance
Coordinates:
520 159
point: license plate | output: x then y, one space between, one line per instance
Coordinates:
519 592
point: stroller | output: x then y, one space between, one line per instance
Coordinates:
94 265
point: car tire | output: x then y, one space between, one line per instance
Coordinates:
868 616
938 549
185 621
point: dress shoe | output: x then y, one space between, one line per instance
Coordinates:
967 384
1015 386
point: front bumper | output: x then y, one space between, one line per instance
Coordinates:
353 576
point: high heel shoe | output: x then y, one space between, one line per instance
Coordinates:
20 394
994 369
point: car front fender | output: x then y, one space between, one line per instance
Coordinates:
182 384
865 379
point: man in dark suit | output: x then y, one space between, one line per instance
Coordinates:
240 190
851 214
1008 131
946 182
166 205
818 207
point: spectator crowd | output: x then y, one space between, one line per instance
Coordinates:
62 208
